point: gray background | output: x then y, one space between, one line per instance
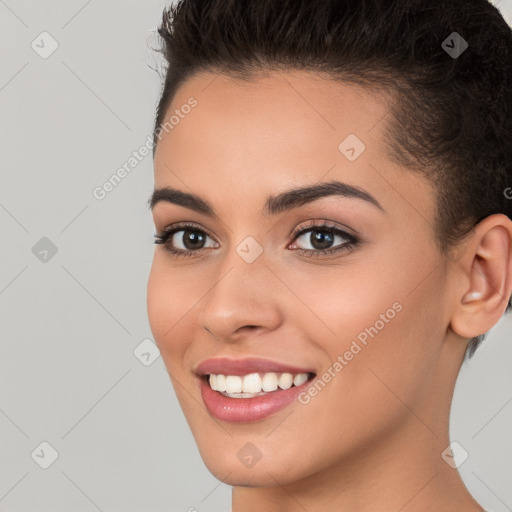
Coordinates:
70 324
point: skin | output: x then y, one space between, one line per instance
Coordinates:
372 438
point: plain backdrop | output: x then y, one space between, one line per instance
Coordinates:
78 391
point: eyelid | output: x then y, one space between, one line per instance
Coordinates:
323 223
180 226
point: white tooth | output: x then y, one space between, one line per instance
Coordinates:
220 383
285 380
233 384
243 395
254 384
269 382
251 383
300 379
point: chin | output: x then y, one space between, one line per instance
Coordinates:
231 463
234 474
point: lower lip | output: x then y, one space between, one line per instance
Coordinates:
245 410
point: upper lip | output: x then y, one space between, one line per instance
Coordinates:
227 366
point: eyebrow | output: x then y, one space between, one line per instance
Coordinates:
274 204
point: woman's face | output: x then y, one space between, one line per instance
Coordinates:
366 321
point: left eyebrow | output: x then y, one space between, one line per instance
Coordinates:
300 196
274 204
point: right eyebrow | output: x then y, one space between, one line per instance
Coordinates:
175 196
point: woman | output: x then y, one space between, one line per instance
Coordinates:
332 206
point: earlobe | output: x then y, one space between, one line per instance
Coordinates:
487 266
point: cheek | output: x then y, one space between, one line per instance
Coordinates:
385 323
346 304
169 307
158 301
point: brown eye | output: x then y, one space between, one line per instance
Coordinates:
324 238
187 239
321 240
184 240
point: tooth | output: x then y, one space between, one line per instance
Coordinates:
299 379
254 383
251 383
221 383
285 380
233 384
269 382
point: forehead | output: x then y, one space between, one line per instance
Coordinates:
278 113
281 130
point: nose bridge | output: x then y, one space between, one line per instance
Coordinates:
241 294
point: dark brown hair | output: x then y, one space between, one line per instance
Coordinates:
451 115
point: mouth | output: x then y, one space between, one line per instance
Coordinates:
251 397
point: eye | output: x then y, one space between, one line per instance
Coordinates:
184 239
319 239
188 240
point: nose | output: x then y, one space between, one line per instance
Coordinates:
241 301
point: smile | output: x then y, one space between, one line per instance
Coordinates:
251 389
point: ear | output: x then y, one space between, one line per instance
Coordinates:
484 283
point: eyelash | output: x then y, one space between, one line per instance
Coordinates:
350 245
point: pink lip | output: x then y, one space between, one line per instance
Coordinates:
226 366
245 410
